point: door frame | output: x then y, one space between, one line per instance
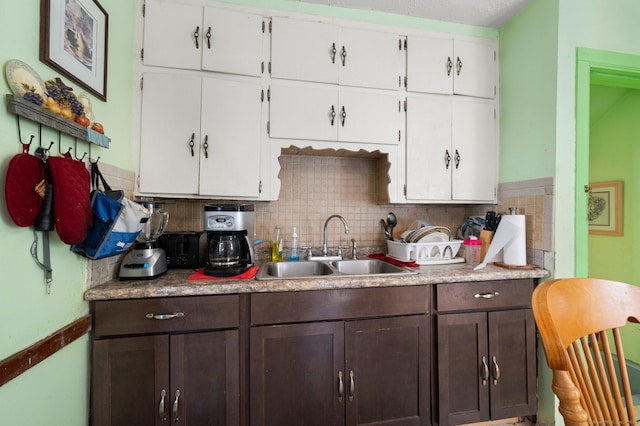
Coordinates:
603 68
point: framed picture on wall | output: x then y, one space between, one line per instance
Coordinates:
73 40
605 208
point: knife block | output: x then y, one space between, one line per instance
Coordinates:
485 238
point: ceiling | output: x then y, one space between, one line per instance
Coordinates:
482 13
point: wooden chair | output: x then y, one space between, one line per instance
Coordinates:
579 319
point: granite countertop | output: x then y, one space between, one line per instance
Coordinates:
176 283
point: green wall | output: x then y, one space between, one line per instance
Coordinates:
56 390
615 154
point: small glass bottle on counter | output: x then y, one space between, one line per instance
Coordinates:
276 245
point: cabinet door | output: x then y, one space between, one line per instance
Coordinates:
231 42
205 370
387 371
475 152
368 116
230 161
130 381
303 111
172 35
463 368
304 50
475 69
429 157
170 121
430 65
369 59
294 374
512 345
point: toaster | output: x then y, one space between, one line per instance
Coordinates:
184 249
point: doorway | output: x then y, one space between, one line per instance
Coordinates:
606 69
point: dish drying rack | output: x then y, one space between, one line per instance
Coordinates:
429 253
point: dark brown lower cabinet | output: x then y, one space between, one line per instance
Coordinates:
190 379
168 375
486 360
365 372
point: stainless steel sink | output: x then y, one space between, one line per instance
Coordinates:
317 269
295 269
367 267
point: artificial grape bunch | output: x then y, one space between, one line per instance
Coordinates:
63 95
33 97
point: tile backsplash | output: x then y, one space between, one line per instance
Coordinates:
315 187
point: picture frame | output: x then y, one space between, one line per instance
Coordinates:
74 39
605 208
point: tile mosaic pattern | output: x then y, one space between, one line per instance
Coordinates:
315 187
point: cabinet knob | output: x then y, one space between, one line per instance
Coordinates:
205 145
333 53
208 35
343 55
332 114
343 115
196 36
447 159
457 159
192 143
449 66
458 65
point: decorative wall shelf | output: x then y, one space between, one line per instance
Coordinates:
33 112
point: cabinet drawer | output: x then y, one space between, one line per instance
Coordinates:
138 316
326 305
483 295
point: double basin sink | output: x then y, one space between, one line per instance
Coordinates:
326 269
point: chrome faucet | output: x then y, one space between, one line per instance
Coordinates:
324 231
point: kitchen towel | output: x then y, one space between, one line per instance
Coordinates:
246 275
510 239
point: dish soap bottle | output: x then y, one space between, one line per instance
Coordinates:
276 245
294 246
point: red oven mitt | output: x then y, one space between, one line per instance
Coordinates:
71 198
24 173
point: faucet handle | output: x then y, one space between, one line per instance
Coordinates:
309 251
354 249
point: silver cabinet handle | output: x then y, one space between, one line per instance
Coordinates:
486 295
164 316
496 370
196 36
485 371
343 54
457 159
333 53
449 66
174 409
161 413
332 114
343 115
447 159
340 386
458 65
192 143
208 34
352 385
205 145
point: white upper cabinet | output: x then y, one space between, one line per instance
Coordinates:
451 66
326 53
200 136
451 150
202 38
333 113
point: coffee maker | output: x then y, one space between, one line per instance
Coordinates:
230 234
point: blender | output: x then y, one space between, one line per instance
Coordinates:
147 259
